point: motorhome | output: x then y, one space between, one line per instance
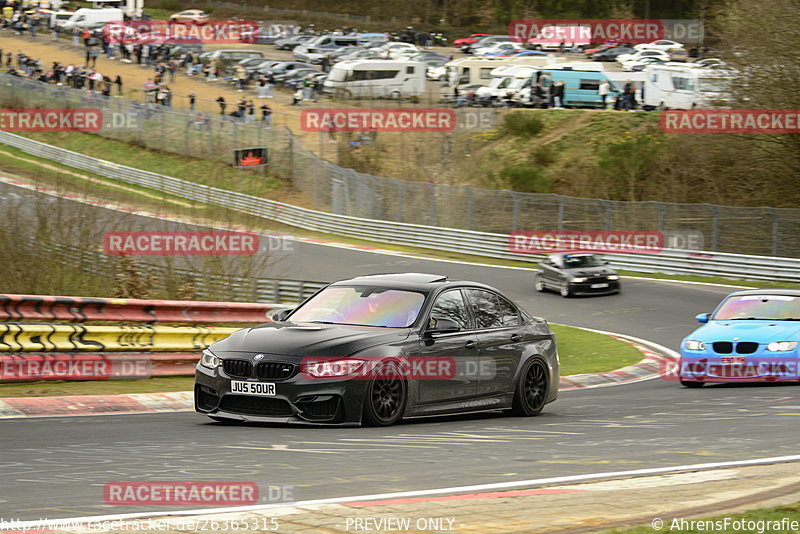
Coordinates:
506 81
686 87
373 78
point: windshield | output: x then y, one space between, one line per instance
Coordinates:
766 307
585 260
361 306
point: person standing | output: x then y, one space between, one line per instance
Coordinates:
222 105
297 97
118 83
603 90
192 99
251 111
266 115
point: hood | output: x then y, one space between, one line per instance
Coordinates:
590 271
305 339
758 331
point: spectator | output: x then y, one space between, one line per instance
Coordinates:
192 98
266 115
251 111
297 97
118 83
603 90
222 105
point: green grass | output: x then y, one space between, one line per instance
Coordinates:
580 352
589 352
203 171
789 512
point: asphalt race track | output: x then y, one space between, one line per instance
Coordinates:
56 467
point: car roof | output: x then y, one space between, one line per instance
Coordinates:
411 281
772 291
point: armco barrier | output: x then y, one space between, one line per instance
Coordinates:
83 309
27 367
16 337
438 238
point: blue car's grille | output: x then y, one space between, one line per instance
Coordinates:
743 347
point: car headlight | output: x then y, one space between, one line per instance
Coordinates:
209 360
613 277
333 368
692 344
782 346
578 280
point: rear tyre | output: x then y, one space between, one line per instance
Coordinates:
531 390
386 397
538 283
691 385
395 95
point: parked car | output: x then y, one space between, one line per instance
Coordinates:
482 42
678 54
359 54
644 63
710 63
288 43
497 47
197 16
576 274
661 44
377 349
295 74
752 335
639 54
611 53
464 41
600 47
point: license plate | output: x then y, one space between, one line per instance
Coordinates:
598 286
262 389
729 360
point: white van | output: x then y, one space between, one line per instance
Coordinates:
370 78
85 16
685 86
314 50
506 81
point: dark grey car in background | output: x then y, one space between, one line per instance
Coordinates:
576 274
376 349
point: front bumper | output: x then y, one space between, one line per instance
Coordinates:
696 366
297 400
585 288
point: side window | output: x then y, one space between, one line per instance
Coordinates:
509 315
409 70
451 305
485 308
486 73
590 85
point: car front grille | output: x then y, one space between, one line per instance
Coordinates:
206 400
722 347
742 347
324 409
241 368
247 405
275 370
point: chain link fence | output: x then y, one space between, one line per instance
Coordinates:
745 230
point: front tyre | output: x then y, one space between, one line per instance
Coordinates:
691 384
386 398
531 391
538 283
565 290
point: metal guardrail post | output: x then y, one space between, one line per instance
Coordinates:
776 230
714 226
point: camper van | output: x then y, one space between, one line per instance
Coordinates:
580 87
370 78
685 87
85 16
506 81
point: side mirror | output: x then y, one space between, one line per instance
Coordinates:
702 317
441 325
281 315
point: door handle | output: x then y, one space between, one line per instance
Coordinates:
470 344
515 337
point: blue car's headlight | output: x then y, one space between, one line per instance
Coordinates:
782 346
692 344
